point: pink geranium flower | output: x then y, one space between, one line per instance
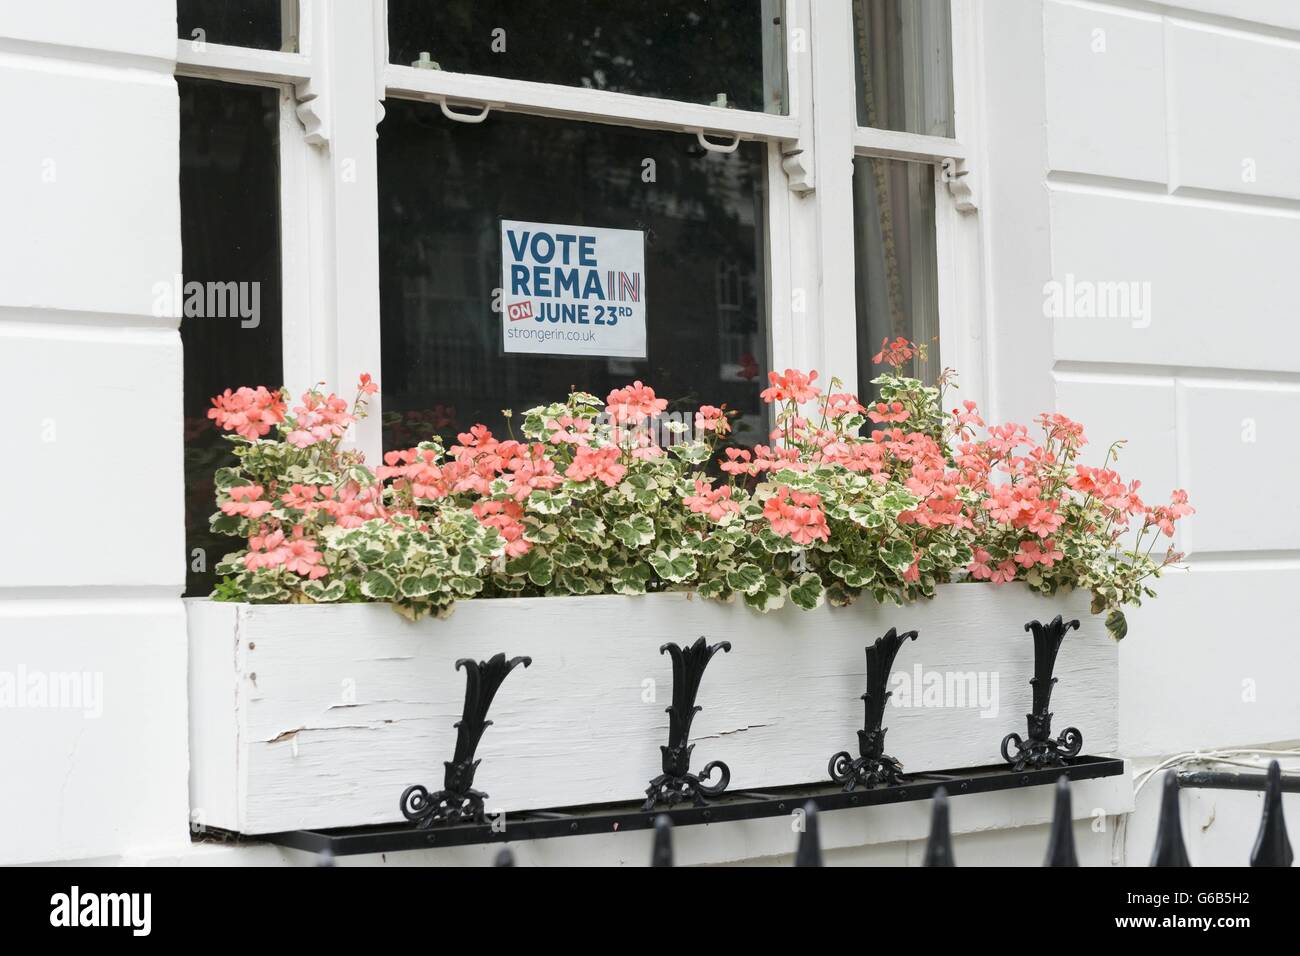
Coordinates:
797 515
793 386
245 501
894 355
712 419
893 412
601 464
1044 521
319 419
567 430
979 568
507 518
633 404
266 550
303 558
250 412
1004 573
714 502
739 461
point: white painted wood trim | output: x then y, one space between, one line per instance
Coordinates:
340 708
916 147
354 204
780 270
235 64
963 294
303 169
577 103
214 712
833 122
796 318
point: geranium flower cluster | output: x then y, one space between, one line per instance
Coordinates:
888 498
289 492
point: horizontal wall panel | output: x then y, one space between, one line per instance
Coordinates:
1240 441
1234 111
93 485
1105 92
1220 281
140 27
88 185
1268 13
1210 663
93 728
1141 412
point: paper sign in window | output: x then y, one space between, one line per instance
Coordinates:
572 290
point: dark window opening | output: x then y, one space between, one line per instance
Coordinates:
230 231
444 188
690 51
259 24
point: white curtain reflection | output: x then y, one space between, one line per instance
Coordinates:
897 268
904 65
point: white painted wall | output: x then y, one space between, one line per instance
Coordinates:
1160 147
91 483
1125 164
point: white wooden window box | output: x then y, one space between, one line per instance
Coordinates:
320 716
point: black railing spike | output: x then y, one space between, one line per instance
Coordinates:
1060 846
938 849
1272 848
677 784
1170 849
809 852
661 854
872 766
458 801
1038 750
505 858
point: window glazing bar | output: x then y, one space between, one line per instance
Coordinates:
599 106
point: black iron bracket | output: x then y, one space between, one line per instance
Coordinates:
1039 749
872 765
677 784
458 801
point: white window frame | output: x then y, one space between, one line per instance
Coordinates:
332 94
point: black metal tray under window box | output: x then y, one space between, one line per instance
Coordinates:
731 806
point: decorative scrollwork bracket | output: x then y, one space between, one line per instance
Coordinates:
677 784
1039 750
872 765
458 801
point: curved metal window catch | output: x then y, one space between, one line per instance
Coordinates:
451 114
713 147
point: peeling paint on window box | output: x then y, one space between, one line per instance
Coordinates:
353 703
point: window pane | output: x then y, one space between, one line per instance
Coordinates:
897 271
260 24
444 188
693 51
230 233
904 65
